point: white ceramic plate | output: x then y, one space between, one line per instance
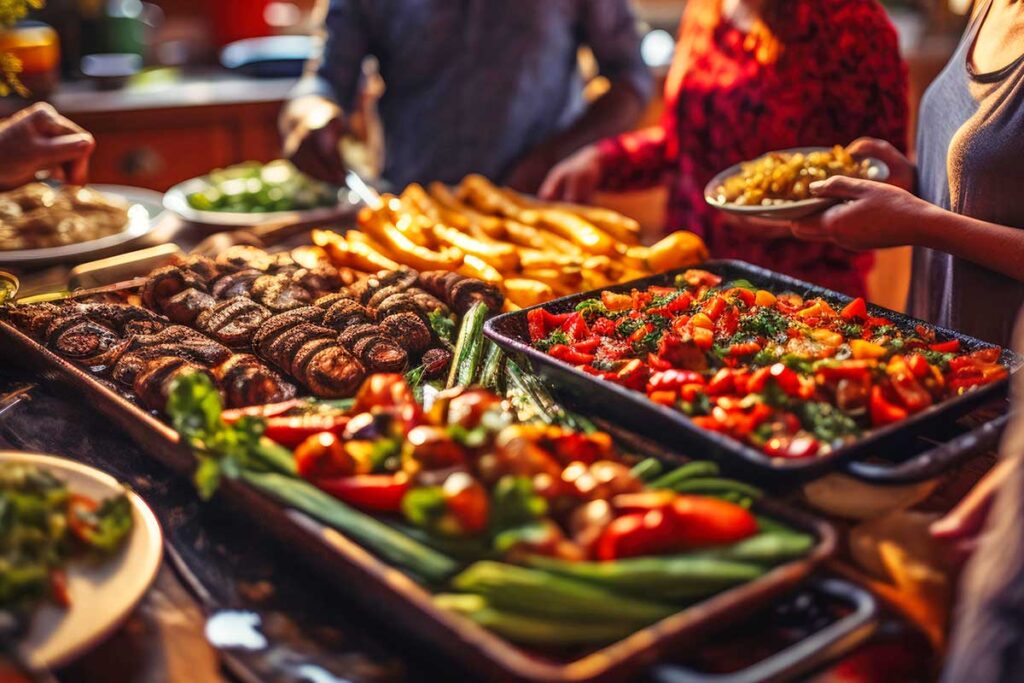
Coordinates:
144 212
176 201
877 170
102 594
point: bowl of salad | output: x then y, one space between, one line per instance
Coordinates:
253 193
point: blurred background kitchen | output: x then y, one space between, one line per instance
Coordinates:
173 88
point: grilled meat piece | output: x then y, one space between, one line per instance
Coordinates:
435 362
246 381
279 293
32 319
204 268
409 329
79 339
414 300
328 300
399 280
164 283
244 257
468 291
233 322
333 373
350 335
234 284
378 353
124 318
306 353
277 324
153 384
203 352
319 280
460 292
185 306
345 313
283 347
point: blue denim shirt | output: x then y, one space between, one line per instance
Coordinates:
472 85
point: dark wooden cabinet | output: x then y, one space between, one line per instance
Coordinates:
156 138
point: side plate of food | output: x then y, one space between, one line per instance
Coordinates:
776 185
101 552
254 194
42 224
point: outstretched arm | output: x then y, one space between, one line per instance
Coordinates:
878 215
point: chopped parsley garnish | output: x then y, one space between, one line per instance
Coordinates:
604 364
556 336
649 342
825 421
851 330
764 322
591 308
629 325
938 358
664 300
885 331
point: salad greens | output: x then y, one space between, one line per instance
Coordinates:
253 187
43 526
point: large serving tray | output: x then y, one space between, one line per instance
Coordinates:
634 410
400 599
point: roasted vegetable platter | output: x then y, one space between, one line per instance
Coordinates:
401 575
690 423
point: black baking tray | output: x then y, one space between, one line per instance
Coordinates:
408 604
634 410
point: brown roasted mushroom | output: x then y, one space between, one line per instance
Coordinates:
279 293
234 284
333 373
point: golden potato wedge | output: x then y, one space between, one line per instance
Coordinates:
523 292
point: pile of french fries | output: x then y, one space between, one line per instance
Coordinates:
533 250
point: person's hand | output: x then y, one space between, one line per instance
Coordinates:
574 179
901 171
962 526
39 139
876 215
312 128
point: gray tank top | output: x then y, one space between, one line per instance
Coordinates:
970 146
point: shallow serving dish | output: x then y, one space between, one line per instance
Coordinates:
790 210
634 410
102 593
409 605
144 212
176 201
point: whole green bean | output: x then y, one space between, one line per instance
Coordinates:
697 468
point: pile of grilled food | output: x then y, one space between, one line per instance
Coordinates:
261 325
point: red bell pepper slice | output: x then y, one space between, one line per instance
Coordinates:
267 410
744 348
563 352
535 324
714 307
702 521
576 327
855 310
792 447
292 430
377 492
741 293
857 370
951 346
681 303
636 534
883 411
587 346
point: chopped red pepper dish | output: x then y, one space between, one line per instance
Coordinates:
791 376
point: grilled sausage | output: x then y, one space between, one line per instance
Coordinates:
233 321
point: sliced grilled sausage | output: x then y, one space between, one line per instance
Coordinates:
234 321
279 293
380 354
234 284
345 313
185 306
410 330
246 381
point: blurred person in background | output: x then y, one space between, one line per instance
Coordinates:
485 86
750 77
960 205
38 139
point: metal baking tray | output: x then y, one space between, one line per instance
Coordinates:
407 604
635 411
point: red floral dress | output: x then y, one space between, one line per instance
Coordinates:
838 76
